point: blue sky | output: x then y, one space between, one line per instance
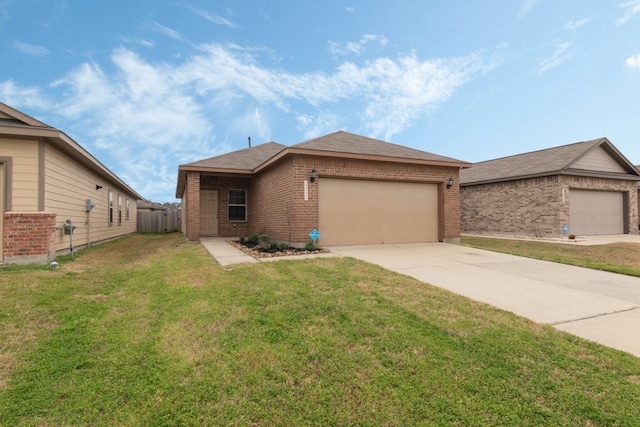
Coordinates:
147 85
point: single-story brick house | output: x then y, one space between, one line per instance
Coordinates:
352 189
46 178
588 186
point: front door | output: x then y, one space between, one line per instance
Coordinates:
208 212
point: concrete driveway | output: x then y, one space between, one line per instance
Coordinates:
599 306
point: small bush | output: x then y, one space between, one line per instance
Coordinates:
310 246
252 239
265 241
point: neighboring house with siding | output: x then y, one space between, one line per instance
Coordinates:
46 178
588 186
352 189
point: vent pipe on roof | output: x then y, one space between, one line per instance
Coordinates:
249 138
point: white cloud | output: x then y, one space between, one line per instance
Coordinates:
254 123
573 25
22 96
631 8
321 123
560 56
525 8
166 31
633 62
340 49
39 52
214 18
149 117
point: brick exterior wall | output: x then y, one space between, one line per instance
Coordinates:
275 197
191 207
29 237
223 185
535 207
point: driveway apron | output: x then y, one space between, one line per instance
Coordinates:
596 305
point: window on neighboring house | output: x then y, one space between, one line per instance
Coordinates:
126 209
110 207
119 209
237 205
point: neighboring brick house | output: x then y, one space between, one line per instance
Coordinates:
638 168
588 186
353 189
46 178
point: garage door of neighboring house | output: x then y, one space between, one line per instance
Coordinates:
596 212
208 212
367 212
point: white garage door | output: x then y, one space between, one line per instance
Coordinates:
596 212
366 212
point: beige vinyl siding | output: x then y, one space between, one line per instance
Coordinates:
24 173
598 160
67 187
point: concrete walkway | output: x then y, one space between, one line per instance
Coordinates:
599 306
227 254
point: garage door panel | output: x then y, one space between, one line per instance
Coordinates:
365 212
596 212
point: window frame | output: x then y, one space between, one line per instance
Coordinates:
119 209
236 205
110 207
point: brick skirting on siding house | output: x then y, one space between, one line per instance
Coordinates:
29 237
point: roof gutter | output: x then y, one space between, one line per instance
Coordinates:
591 174
372 157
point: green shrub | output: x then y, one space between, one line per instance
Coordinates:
265 241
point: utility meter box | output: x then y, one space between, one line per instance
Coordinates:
90 205
68 227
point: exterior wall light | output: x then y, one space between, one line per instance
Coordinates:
314 175
98 186
450 183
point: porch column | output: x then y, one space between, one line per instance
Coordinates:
192 208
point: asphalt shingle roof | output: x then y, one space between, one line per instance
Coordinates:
349 143
247 159
536 163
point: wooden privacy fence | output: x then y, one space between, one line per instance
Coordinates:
158 221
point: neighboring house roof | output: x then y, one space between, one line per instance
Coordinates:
16 123
143 204
573 159
337 144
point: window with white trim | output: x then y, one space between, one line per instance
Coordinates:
237 205
119 209
110 208
126 209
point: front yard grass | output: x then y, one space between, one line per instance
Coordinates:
150 330
623 258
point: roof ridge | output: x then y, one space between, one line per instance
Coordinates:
600 140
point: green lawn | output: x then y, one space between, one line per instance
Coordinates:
150 330
623 258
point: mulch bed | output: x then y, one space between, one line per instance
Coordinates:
257 252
